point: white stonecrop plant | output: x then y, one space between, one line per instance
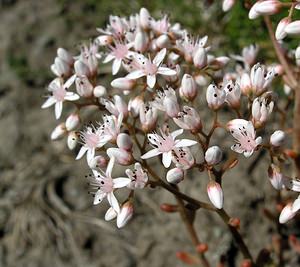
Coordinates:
159 70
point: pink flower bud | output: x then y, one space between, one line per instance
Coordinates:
135 105
148 118
97 162
72 140
141 41
280 30
183 158
125 214
83 86
60 68
277 179
145 19
59 131
123 83
99 91
162 41
110 214
188 89
227 5
175 176
122 156
213 155
267 7
261 109
72 121
293 27
245 84
104 40
65 56
277 138
286 213
219 62
233 94
200 58
215 194
124 141
215 97
188 119
81 69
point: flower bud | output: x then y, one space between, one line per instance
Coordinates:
141 41
213 155
286 213
72 121
58 132
277 179
124 141
123 84
99 91
122 156
188 89
60 68
215 97
267 7
227 5
168 207
65 55
293 27
175 176
72 140
97 162
148 117
280 30
277 138
134 105
215 194
200 58
81 69
125 214
110 214
83 86
145 19
188 119
104 40
245 84
162 41
233 94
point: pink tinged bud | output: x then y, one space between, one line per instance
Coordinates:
233 94
188 89
200 58
124 141
110 215
227 5
58 132
277 138
60 67
145 19
175 176
201 80
125 214
141 41
171 105
81 68
215 97
72 121
148 117
97 162
122 156
276 178
280 30
213 155
293 27
245 84
219 62
215 194
162 41
83 86
267 7
99 91
65 56
72 140
123 83
287 213
121 106
253 14
135 105
188 119
104 40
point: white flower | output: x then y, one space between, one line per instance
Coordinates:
164 144
59 95
138 177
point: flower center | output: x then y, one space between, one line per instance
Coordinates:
150 68
106 185
120 51
91 140
59 94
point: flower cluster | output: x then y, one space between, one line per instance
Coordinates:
151 109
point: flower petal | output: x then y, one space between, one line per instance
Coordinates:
108 58
99 196
70 81
81 152
160 57
150 154
113 202
167 159
71 96
116 66
110 167
166 71
49 102
135 74
58 109
185 142
176 133
121 182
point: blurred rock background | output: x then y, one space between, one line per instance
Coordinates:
46 215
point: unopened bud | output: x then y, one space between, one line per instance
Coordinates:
122 156
293 27
175 176
277 138
162 41
141 41
286 213
110 214
145 19
135 105
280 30
215 97
277 179
200 58
215 194
213 155
65 55
188 89
227 5
83 86
99 91
97 162
125 214
123 83
81 68
59 131
72 121
124 141
72 140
